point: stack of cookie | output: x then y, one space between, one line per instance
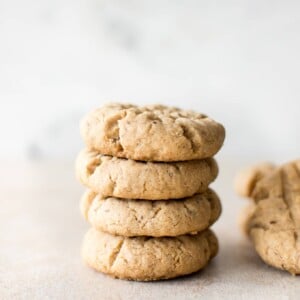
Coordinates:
148 170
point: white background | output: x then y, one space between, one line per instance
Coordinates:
237 61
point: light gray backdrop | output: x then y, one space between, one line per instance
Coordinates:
235 60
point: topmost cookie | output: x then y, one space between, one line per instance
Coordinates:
156 133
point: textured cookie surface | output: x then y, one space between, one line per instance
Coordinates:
274 223
144 258
126 178
154 133
151 218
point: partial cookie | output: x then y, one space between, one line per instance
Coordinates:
146 258
152 133
151 218
247 179
274 224
126 178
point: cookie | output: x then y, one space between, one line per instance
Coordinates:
126 178
151 133
247 179
148 258
274 223
151 218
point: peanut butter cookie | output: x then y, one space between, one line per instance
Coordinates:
151 133
148 258
151 218
127 178
273 224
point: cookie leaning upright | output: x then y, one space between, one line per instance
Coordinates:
273 220
151 133
148 171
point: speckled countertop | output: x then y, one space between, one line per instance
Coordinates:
41 232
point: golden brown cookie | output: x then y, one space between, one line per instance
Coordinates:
152 133
148 258
126 178
274 223
128 217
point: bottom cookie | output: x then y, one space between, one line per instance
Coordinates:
148 258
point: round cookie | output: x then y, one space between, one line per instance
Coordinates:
273 224
151 133
148 258
126 178
128 217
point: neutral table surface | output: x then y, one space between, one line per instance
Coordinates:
41 231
